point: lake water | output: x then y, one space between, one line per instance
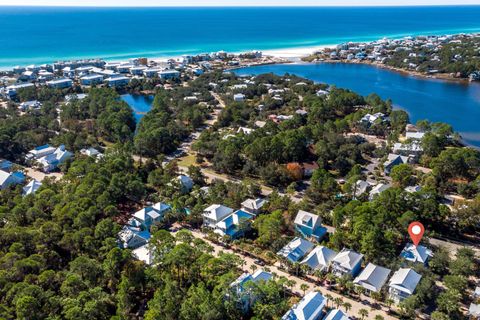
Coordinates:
140 104
46 34
440 101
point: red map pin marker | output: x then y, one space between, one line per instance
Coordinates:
416 230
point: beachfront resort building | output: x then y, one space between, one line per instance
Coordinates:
60 83
117 81
91 79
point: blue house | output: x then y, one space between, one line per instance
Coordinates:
231 224
309 225
309 308
243 293
151 214
8 179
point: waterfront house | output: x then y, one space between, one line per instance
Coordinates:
117 81
415 253
151 215
296 249
411 149
376 190
243 293
27 76
414 135
137 70
60 83
151 72
31 187
309 308
319 259
336 314
403 283
372 278
371 119
8 179
347 262
91 79
214 214
392 161
234 225
253 206
309 225
168 74
132 238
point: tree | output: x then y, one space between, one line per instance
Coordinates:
437 315
402 175
338 301
304 287
363 313
379 317
449 301
348 306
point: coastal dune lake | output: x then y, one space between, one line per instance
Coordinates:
140 104
436 100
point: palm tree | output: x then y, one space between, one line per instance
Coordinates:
376 296
304 287
389 302
363 313
379 317
347 306
338 301
359 290
329 298
253 267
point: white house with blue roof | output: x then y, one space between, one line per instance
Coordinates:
242 292
231 225
319 258
132 237
31 187
309 225
8 179
296 249
309 308
336 314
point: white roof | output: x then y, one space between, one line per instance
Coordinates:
217 212
405 280
361 187
253 204
309 308
348 259
379 188
31 187
319 258
307 219
474 310
143 253
142 214
372 277
415 135
336 314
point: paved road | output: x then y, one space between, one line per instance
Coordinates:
247 267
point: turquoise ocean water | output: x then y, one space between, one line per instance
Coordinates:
45 34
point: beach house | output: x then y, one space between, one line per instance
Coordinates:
296 249
238 97
234 225
168 74
378 189
415 253
372 278
151 215
402 284
214 214
319 259
31 187
132 238
8 179
51 161
253 206
243 293
309 225
309 308
392 161
347 262
336 314
186 183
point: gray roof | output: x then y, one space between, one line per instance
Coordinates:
372 277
